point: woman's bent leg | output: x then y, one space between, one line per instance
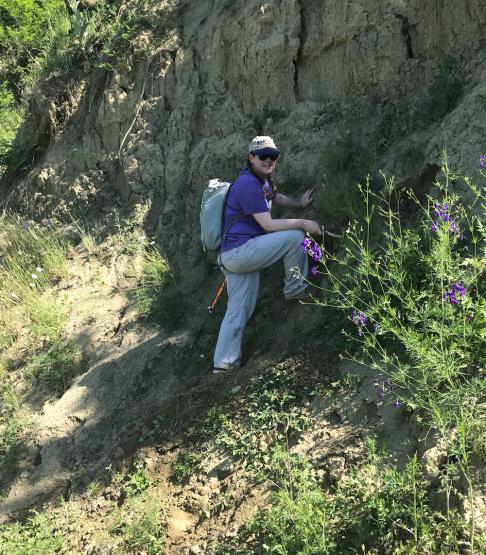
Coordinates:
242 295
262 251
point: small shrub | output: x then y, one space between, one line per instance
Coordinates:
11 117
214 423
416 304
48 317
11 430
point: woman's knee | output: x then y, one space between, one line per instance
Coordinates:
297 236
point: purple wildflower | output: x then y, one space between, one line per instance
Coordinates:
450 296
482 161
397 404
458 287
442 210
26 226
316 252
454 228
313 270
359 318
306 243
312 249
435 226
383 387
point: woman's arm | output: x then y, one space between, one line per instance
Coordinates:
282 224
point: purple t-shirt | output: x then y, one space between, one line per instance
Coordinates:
248 196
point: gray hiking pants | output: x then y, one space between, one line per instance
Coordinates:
242 267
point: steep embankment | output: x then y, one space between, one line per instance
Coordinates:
180 109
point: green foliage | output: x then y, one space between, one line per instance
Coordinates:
214 422
11 116
25 33
423 298
10 432
138 525
417 308
185 466
33 256
374 509
346 383
270 414
32 259
40 535
53 367
223 502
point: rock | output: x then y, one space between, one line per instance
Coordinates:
336 467
179 522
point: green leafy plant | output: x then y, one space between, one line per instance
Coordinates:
40 535
139 525
137 482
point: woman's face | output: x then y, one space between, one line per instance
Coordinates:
262 167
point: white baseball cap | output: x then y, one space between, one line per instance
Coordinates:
263 143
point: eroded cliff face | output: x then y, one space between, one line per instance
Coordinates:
183 109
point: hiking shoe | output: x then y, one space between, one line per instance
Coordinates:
302 295
221 372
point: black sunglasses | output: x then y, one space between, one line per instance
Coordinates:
264 157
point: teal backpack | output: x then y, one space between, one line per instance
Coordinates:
212 214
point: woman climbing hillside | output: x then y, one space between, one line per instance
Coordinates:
253 240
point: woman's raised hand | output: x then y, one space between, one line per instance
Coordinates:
306 198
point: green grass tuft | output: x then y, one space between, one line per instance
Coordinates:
53 368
